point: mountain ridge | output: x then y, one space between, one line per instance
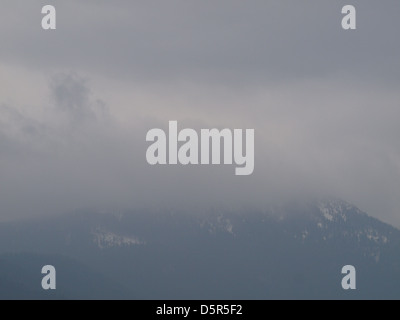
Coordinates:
291 251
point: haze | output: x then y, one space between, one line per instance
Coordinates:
76 103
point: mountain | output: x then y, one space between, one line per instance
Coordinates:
291 251
21 279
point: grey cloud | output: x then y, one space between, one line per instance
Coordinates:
72 96
51 165
323 101
224 41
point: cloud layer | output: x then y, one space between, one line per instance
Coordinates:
77 102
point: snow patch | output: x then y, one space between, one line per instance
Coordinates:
374 235
105 239
229 227
333 210
328 216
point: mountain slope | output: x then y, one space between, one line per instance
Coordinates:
292 251
21 277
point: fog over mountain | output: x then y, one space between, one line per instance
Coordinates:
291 251
77 102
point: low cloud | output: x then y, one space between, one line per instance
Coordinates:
77 103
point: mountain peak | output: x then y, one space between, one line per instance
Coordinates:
334 210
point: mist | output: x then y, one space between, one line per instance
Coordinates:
76 104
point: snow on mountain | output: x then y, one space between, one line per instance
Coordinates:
106 239
333 210
289 250
365 228
220 223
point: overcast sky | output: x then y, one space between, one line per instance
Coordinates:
76 103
